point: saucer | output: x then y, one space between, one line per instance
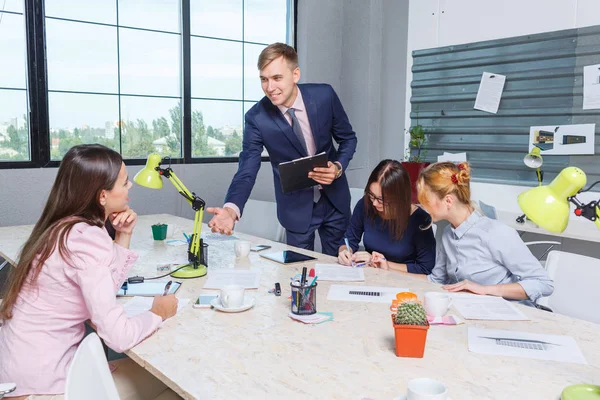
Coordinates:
403 397
576 392
248 303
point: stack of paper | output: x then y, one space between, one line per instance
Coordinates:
525 344
217 279
472 306
139 304
317 318
339 273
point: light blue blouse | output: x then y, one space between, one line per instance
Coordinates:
488 252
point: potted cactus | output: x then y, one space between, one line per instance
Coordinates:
410 328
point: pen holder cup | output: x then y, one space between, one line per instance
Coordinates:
203 253
304 298
159 231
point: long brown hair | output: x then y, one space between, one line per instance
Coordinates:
395 192
84 172
445 178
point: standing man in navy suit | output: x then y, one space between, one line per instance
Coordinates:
294 121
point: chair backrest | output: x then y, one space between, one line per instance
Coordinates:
260 219
488 210
355 195
576 280
89 376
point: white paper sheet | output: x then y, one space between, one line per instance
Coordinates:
472 306
524 344
138 305
369 294
490 92
453 157
339 273
563 139
591 87
217 279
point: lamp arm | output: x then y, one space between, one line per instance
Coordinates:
590 210
195 246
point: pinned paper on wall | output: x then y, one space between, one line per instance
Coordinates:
591 87
453 157
563 139
490 92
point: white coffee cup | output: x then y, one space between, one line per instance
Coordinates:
426 389
242 248
232 296
437 303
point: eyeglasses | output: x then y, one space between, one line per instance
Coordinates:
372 197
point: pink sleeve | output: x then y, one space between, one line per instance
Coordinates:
98 263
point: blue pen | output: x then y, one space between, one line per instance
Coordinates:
309 286
186 237
361 265
348 248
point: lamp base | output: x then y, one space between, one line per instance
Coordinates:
189 272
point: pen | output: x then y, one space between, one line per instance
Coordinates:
303 279
186 237
167 287
361 265
348 248
307 291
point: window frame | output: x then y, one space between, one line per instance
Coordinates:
37 90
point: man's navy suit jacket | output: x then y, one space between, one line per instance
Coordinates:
266 126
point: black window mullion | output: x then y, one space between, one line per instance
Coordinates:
37 83
187 80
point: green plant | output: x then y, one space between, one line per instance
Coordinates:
411 312
159 224
418 139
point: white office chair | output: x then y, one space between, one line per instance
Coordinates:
260 219
89 376
576 279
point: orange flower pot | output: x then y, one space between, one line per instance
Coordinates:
410 339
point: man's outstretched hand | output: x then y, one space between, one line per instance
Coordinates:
223 220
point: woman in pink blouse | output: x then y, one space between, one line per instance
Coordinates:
69 271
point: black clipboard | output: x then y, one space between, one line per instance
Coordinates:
294 174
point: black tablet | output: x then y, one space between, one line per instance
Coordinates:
287 257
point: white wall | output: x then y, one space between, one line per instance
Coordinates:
359 47
436 23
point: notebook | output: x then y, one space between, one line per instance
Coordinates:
147 288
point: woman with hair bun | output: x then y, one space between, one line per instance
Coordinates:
477 254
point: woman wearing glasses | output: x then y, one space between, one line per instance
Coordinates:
390 226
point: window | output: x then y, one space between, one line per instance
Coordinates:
226 38
14 130
123 73
114 76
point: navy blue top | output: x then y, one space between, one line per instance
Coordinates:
416 249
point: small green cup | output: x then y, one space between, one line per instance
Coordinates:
159 231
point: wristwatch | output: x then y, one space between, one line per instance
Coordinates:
338 165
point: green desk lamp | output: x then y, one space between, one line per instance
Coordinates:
150 177
548 206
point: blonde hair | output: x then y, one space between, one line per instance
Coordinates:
445 178
276 50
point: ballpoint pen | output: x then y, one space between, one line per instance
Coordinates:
167 287
349 249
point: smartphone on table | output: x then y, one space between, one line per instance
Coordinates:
203 301
260 247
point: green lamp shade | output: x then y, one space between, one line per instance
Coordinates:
149 176
547 206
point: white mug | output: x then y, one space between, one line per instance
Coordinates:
437 303
232 296
242 248
426 389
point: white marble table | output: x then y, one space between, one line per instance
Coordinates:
262 353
